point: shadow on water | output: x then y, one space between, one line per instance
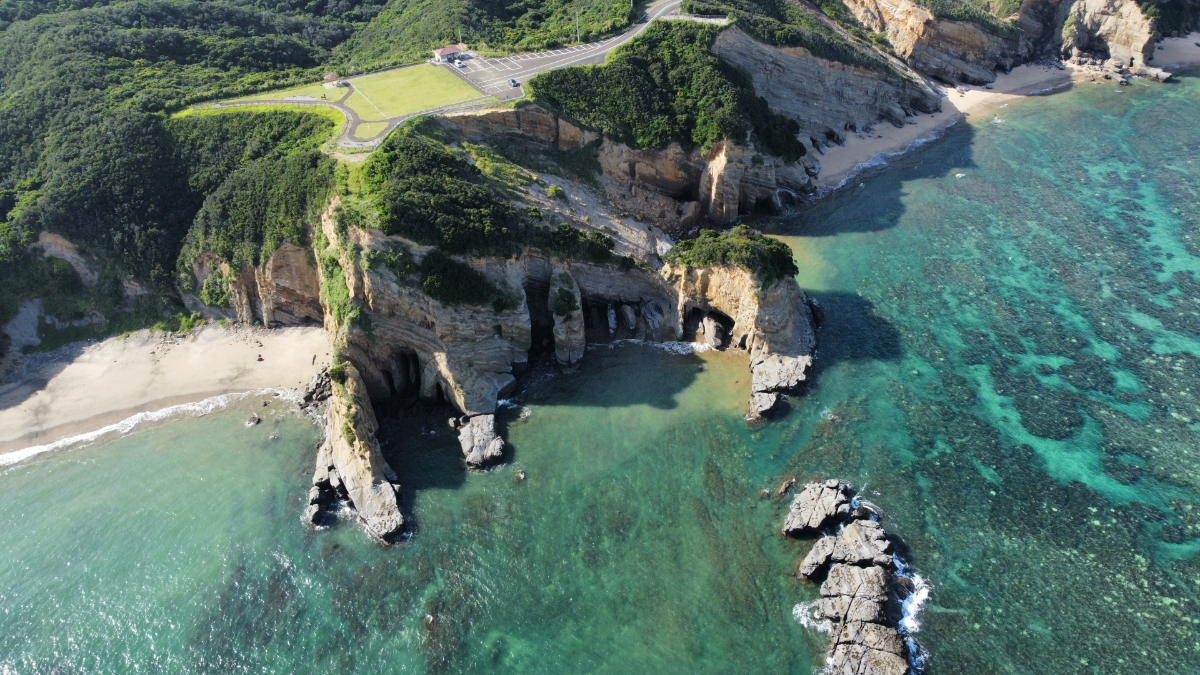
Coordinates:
852 330
877 204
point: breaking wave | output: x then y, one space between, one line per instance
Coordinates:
196 409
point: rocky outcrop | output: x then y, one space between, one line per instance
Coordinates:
1104 29
349 464
860 581
658 186
527 122
817 505
282 291
774 324
480 444
566 309
956 51
826 98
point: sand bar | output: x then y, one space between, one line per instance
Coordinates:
92 386
839 162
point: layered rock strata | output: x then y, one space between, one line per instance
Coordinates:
668 187
349 464
774 324
956 51
826 98
282 291
856 566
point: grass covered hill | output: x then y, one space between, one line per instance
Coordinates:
668 86
407 30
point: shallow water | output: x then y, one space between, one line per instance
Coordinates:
1009 366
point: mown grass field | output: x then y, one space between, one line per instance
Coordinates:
369 130
407 90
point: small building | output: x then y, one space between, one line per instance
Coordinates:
445 54
336 84
330 77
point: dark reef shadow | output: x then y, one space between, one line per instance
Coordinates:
877 204
852 331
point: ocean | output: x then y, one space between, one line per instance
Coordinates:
1009 367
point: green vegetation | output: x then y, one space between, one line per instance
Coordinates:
214 292
792 24
667 86
406 31
1173 17
975 11
564 302
407 90
742 246
453 283
555 192
260 206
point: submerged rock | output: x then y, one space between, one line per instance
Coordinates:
480 444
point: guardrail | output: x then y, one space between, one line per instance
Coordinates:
718 19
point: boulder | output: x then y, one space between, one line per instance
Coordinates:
855 659
761 406
480 444
714 332
318 388
862 542
818 557
872 636
817 505
854 594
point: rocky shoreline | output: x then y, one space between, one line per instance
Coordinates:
862 584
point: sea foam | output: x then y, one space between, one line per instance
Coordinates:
195 409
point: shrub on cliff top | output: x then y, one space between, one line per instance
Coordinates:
668 86
742 246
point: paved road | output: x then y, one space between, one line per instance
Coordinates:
491 76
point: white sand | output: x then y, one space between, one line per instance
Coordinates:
839 162
120 377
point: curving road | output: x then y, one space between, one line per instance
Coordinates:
490 77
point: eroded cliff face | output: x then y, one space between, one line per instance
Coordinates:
956 51
349 463
670 188
775 325
1116 29
282 291
826 98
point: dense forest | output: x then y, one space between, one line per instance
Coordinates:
667 86
92 145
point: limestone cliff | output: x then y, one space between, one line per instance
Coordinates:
825 97
349 463
1116 29
774 324
659 186
957 51
282 291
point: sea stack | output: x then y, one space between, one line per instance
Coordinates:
856 567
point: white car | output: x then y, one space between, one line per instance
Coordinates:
459 64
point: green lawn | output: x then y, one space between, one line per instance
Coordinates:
369 130
407 90
366 111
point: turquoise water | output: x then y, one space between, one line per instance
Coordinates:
1009 367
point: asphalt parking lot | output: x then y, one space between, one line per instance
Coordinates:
492 76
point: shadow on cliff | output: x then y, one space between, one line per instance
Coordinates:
878 204
852 331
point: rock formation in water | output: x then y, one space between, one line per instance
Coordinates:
859 588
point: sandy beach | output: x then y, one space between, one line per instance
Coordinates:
89 387
839 162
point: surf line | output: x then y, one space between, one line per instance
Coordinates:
194 409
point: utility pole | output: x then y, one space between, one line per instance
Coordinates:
577 21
